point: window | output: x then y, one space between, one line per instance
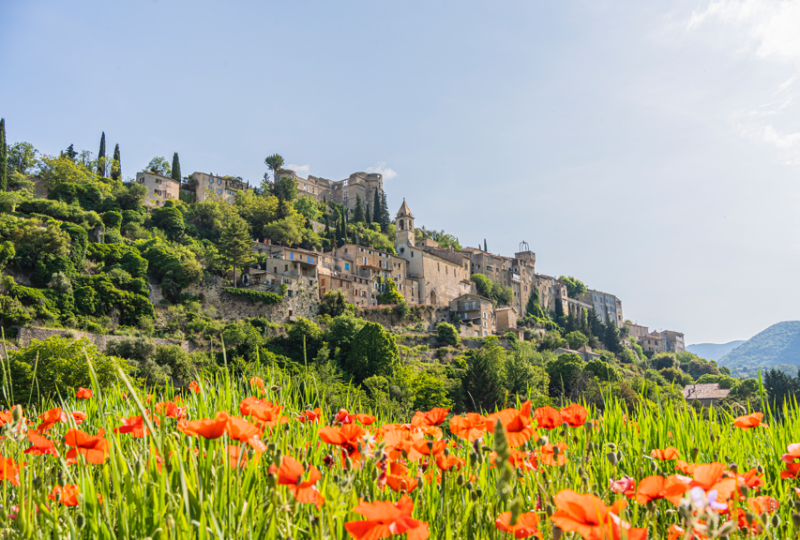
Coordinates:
399 276
310 260
219 191
291 256
412 253
323 282
219 181
347 266
285 267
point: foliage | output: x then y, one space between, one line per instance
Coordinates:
565 375
447 333
389 295
576 340
373 352
236 244
602 370
159 165
482 383
263 297
575 287
333 303
169 219
492 290
429 392
304 334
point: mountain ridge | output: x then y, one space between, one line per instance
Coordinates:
775 347
714 351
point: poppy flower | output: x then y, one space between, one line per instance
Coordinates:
519 459
625 485
751 479
309 416
430 448
471 427
658 487
575 415
434 417
41 446
449 463
93 447
710 478
9 470
263 411
171 410
553 454
208 428
590 517
194 386
134 425
344 417
257 382
750 421
236 458
525 527
347 437
84 393
66 495
51 418
685 468
517 424
290 474
763 505
792 453
385 518
397 478
677 533
792 471
243 431
548 418
666 454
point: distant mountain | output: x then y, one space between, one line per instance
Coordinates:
713 351
776 347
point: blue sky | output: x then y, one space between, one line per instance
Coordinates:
651 149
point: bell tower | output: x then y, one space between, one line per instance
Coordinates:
404 226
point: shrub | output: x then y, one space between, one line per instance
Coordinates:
333 303
255 296
447 333
303 329
429 392
602 370
482 382
565 373
373 352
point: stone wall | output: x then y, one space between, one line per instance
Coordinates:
26 335
429 315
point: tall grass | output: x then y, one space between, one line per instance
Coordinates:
168 485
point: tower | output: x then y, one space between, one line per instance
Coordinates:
404 226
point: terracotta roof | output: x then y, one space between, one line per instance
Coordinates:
704 391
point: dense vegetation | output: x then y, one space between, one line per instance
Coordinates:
776 347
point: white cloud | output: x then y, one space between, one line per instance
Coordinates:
381 168
300 170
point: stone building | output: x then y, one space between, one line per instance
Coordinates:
344 192
651 343
551 290
506 318
635 330
607 306
223 187
517 272
672 341
160 188
476 313
441 275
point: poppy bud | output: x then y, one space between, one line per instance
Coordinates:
695 452
486 448
473 496
589 425
651 506
278 456
80 521
470 486
733 467
272 480
275 388
374 474
797 506
460 479
589 446
543 440
17 413
760 469
479 492
750 517
796 520
476 445
612 458
745 490
776 520
336 478
446 452
272 446
556 533
612 446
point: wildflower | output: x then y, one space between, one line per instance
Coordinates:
750 421
625 485
430 448
471 427
344 417
194 386
134 425
236 457
50 418
309 416
384 518
9 470
517 424
685 468
93 447
257 382
40 446
520 460
658 487
290 474
677 533
793 453
547 418
591 518
79 417
553 454
709 478
84 393
792 471
434 417
525 527
449 463
244 431
397 478
66 495
208 428
575 415
171 410
666 454
347 437
263 411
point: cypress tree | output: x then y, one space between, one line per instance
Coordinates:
595 324
70 152
559 311
611 337
116 168
176 167
358 214
484 246
376 208
101 156
3 156
384 213
368 216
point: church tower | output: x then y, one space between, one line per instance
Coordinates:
404 226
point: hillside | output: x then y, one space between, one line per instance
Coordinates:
776 347
713 351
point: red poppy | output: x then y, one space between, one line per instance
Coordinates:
171 410
93 447
625 485
547 418
449 463
550 456
685 468
677 533
66 495
79 417
710 476
236 457
290 474
135 425
244 431
575 415
309 416
344 417
84 393
792 453
384 518
40 446
9 470
591 518
792 471
668 453
397 478
658 487
347 437
208 428
430 448
263 411
750 421
257 382
194 386
434 417
470 427
517 424
50 418
525 527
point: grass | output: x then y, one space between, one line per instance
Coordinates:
169 485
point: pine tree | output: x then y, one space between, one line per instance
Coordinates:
595 324
101 156
611 337
368 216
176 167
358 214
236 245
384 214
3 156
376 208
116 167
559 311
486 249
482 382
70 152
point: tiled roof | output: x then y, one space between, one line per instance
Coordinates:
704 391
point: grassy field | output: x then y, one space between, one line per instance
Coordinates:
165 477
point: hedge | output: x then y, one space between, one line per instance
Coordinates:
255 296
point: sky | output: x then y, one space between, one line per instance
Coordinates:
650 149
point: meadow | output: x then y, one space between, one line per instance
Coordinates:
260 455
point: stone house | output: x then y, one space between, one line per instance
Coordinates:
204 185
516 272
160 188
607 306
637 331
550 290
506 318
672 341
706 394
476 311
344 192
652 343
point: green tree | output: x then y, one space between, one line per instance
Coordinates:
611 337
3 156
595 324
169 219
523 378
236 244
484 246
9 200
116 167
69 153
376 207
429 392
575 287
301 330
560 319
341 333
374 352
447 333
358 213
565 374
333 303
285 189
176 168
368 216
159 165
533 307
602 370
101 156
576 340
274 163
21 157
385 217
482 382
390 294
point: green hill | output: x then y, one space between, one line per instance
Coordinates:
713 351
776 347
